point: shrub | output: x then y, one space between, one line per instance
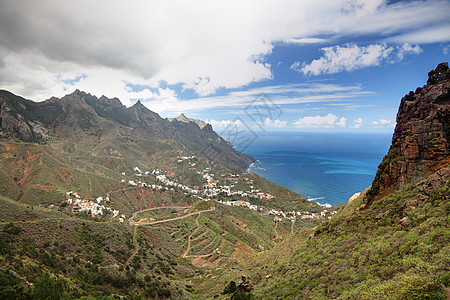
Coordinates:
230 288
48 288
406 287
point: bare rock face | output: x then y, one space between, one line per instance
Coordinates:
11 120
420 144
245 286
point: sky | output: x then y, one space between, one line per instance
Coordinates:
328 66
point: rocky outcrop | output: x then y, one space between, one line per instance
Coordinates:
352 198
183 118
420 144
245 286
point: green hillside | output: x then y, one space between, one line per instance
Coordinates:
398 249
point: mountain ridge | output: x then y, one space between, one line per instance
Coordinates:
27 120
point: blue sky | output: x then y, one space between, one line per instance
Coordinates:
324 66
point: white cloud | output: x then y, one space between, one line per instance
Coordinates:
275 123
304 41
358 123
383 123
224 123
408 49
200 44
434 34
328 121
342 122
352 57
308 93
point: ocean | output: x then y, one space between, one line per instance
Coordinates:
324 167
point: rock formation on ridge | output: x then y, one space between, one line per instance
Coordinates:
420 144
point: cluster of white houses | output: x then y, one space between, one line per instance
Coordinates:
279 215
243 204
211 189
95 208
324 214
172 183
188 158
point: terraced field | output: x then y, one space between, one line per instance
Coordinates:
227 236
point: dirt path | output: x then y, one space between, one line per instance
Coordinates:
200 236
136 248
107 156
133 215
188 248
124 189
172 219
277 235
209 244
292 227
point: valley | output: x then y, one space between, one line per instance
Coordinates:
100 201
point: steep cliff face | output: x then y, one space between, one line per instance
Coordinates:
420 144
10 120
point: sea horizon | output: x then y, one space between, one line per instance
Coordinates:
327 168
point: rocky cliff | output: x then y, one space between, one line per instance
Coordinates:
420 144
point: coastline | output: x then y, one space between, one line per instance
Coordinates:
325 168
249 167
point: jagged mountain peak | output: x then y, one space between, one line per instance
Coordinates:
182 118
139 104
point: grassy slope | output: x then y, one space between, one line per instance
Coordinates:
397 249
90 257
13 211
285 199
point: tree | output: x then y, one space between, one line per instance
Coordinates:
47 288
230 288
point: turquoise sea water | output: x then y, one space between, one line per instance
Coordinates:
327 168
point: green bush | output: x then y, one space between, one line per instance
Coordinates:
230 288
406 287
47 288
12 229
10 287
242 296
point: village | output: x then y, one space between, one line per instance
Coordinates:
210 190
94 208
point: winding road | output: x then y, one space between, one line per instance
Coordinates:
152 208
165 220
130 220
